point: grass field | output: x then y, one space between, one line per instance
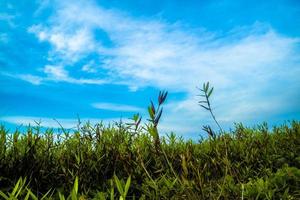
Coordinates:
132 161
118 162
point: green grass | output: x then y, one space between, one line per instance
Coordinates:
259 164
132 161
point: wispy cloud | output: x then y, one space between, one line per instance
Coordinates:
117 107
89 67
55 74
54 123
59 74
149 52
243 65
71 46
35 80
8 18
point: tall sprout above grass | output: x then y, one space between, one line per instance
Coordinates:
206 104
155 115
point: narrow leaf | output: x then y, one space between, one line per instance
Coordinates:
16 187
45 195
4 195
210 92
158 117
119 185
207 87
34 197
112 190
128 182
27 196
151 114
163 97
76 185
153 107
61 196
205 107
138 122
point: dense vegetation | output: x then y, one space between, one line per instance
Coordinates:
131 161
249 163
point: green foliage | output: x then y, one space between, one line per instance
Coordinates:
109 162
284 184
122 188
132 161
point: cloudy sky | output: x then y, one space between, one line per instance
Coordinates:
105 60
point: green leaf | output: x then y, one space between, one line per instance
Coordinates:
135 117
151 113
127 185
27 196
206 87
152 107
4 195
204 107
112 190
61 196
76 185
119 185
101 196
73 195
152 131
156 120
45 195
210 92
32 195
16 187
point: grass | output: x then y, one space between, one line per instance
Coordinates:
261 164
131 161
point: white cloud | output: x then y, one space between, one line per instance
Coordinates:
89 67
242 66
59 74
117 107
54 123
56 72
69 45
149 52
35 80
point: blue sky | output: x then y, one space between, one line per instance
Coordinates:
104 60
